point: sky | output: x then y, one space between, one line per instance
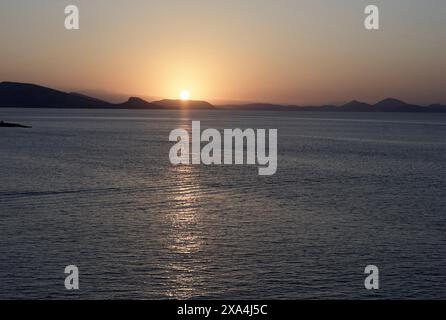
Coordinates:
279 51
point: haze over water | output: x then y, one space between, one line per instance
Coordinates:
95 188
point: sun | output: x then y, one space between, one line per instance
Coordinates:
184 95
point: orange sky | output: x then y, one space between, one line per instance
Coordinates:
286 51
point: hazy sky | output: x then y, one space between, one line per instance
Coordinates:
287 51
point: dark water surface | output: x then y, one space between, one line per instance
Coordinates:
95 188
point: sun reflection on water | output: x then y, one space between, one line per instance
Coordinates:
185 238
185 220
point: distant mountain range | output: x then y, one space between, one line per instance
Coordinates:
22 95
387 105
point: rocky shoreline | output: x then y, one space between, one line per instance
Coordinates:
12 125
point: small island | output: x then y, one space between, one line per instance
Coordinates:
12 125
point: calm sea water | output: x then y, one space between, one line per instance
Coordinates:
95 188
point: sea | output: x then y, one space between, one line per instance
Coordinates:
96 189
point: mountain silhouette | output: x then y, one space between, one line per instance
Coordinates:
24 95
394 105
33 96
135 103
181 104
356 106
386 105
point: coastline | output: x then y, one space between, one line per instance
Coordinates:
4 124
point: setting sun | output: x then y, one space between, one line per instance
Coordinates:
184 95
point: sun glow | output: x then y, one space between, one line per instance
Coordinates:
184 95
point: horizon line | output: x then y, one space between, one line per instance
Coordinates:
228 103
